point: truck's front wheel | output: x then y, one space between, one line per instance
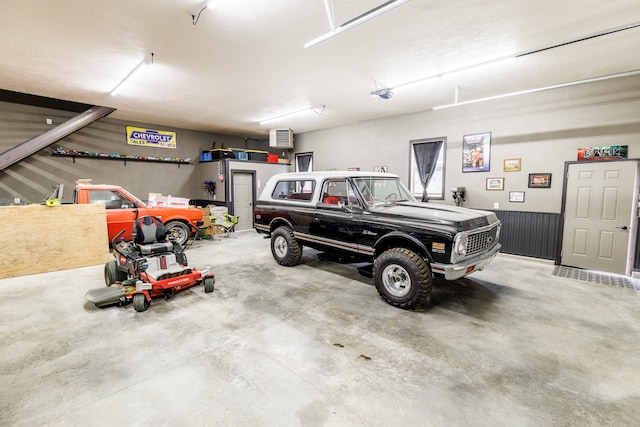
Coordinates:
286 250
178 231
402 278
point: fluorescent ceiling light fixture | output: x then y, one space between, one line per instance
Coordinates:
137 70
517 55
329 9
293 113
457 70
541 89
376 11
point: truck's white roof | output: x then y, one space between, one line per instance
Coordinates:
315 175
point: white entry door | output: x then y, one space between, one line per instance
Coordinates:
243 199
599 216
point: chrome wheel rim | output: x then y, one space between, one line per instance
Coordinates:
280 246
396 280
178 235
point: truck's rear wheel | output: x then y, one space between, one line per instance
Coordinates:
285 248
402 278
178 231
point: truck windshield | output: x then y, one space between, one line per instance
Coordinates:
378 190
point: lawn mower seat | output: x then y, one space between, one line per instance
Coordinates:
151 236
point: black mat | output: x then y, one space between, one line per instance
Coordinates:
597 277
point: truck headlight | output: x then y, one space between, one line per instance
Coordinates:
460 245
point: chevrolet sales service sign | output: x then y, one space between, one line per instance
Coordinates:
150 137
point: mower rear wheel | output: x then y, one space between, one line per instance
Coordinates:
181 258
112 274
209 284
140 302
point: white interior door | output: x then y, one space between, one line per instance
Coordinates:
243 199
600 215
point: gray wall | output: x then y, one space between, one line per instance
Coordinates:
544 129
32 178
209 171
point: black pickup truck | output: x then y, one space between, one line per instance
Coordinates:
372 217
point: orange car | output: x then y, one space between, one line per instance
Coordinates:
122 208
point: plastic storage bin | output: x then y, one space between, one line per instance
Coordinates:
222 153
260 156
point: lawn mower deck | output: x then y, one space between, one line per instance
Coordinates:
148 267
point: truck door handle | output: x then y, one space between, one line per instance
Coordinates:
624 227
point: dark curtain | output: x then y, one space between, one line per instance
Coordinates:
426 159
303 161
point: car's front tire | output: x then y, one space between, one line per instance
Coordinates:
178 231
285 248
402 277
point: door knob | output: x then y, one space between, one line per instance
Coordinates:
624 227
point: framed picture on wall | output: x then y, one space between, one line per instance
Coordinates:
512 165
539 180
495 184
516 196
476 152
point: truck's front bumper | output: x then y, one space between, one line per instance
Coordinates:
456 271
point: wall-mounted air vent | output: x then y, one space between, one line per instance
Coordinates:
281 138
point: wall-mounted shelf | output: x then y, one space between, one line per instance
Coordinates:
121 157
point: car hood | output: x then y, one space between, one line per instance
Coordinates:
455 217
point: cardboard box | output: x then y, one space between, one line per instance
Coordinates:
216 230
206 217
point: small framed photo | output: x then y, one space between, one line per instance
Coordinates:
495 184
381 168
512 165
516 196
539 180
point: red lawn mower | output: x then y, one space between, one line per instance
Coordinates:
148 267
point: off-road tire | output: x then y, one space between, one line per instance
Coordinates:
112 274
178 231
285 248
209 284
402 278
140 303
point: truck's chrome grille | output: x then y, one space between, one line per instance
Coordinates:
479 242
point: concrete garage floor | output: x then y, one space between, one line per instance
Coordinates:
314 345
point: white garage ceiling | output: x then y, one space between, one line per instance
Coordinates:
245 60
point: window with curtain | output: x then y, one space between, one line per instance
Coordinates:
427 168
304 162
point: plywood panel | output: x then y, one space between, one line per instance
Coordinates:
39 238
